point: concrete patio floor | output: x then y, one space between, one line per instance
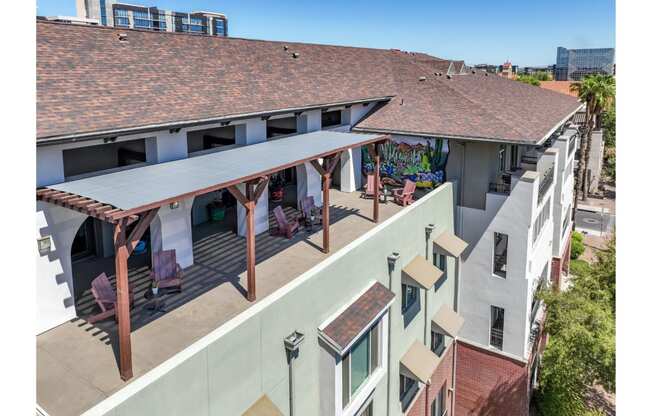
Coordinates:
76 362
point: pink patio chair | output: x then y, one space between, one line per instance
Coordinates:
405 196
106 298
307 206
285 228
369 188
165 270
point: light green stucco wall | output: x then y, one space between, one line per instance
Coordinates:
232 372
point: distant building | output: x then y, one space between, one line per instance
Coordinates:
508 70
530 70
486 67
113 13
575 64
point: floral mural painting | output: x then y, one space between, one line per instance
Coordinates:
421 161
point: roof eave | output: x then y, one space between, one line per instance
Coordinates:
79 137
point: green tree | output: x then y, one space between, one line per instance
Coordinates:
597 92
582 346
528 79
609 135
542 76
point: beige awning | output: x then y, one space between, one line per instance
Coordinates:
422 272
449 244
448 321
263 407
419 363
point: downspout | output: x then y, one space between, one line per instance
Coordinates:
292 342
429 229
391 265
454 378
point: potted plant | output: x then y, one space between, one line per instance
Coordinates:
155 288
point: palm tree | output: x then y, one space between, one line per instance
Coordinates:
597 92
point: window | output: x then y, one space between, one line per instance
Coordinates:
437 342
541 221
141 19
121 17
219 27
103 12
158 21
440 262
441 400
408 296
407 388
359 363
497 327
500 255
513 157
331 118
368 411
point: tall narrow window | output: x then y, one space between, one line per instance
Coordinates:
437 342
497 327
513 157
441 400
359 363
500 255
408 296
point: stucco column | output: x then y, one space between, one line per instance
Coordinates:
261 213
308 184
309 121
172 230
351 170
167 146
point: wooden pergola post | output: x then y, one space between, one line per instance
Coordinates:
253 191
326 173
124 246
374 152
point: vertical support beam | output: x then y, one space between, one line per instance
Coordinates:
325 188
251 243
377 174
122 289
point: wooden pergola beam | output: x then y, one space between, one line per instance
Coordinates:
253 191
326 172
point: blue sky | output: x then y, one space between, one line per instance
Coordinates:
525 32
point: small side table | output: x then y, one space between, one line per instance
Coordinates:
155 302
384 195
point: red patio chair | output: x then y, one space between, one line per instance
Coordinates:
307 206
106 298
285 228
405 196
369 188
165 270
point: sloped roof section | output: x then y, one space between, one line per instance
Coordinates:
89 81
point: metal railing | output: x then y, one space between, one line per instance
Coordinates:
571 144
496 338
529 159
546 181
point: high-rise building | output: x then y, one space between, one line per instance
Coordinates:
574 64
113 13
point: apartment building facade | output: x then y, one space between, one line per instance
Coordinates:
370 328
125 15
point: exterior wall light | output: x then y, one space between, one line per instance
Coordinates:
44 245
174 205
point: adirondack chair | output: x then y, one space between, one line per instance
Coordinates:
106 298
308 205
369 188
405 196
285 228
165 270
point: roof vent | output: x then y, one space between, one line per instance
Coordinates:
122 37
295 55
285 47
422 78
486 74
448 76
473 71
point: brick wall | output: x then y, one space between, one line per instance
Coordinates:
443 374
555 272
489 384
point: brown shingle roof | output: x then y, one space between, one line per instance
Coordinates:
346 326
89 81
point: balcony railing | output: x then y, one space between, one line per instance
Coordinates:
529 159
571 144
546 181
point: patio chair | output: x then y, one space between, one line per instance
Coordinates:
369 188
166 271
106 298
308 206
405 196
285 228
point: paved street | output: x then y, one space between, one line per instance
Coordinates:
594 223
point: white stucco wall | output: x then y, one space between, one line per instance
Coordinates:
171 229
54 283
49 165
563 190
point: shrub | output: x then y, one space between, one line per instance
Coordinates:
577 248
579 267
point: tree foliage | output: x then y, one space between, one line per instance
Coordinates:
529 79
582 346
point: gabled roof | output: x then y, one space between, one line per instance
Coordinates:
89 82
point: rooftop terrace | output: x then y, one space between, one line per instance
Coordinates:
82 358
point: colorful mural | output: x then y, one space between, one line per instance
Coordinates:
420 160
